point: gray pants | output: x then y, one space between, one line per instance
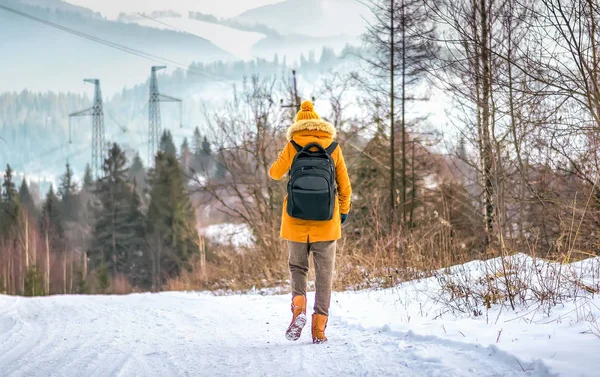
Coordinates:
324 260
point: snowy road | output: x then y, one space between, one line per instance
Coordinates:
179 334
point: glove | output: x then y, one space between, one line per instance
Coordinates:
344 217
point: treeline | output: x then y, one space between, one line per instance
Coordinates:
131 229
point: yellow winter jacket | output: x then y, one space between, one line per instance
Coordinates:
305 132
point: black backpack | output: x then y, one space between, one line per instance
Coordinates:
312 187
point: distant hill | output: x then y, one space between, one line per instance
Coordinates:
316 18
67 58
57 5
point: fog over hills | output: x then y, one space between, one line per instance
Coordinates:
70 57
111 9
317 18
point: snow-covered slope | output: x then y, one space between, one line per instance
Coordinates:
238 43
318 18
221 8
68 58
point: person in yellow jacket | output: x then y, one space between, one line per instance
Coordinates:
310 236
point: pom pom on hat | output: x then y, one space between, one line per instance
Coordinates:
307 111
307 106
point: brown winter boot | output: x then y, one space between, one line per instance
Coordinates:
298 319
319 324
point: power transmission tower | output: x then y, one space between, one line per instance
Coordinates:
97 112
154 121
296 100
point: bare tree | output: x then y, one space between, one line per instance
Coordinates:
247 135
400 42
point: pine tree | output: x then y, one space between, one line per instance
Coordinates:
114 237
166 143
137 174
88 181
171 217
9 209
26 199
10 190
328 58
206 148
139 266
197 142
186 156
52 222
220 169
68 190
68 186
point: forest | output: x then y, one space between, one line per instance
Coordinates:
513 170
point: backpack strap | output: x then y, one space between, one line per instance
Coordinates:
298 147
331 148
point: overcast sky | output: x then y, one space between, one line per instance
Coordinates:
219 8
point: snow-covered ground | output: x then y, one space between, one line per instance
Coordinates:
238 43
403 331
236 235
222 8
177 334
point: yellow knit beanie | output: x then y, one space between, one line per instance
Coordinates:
307 111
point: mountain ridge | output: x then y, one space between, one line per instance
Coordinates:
74 57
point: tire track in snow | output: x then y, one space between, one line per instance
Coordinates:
44 351
24 336
9 326
193 335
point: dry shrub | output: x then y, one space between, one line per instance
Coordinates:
232 269
120 285
516 281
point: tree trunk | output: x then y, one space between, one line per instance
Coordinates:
10 288
34 260
47 282
71 274
21 286
413 196
392 125
64 253
485 103
202 256
158 275
85 266
26 253
5 278
403 116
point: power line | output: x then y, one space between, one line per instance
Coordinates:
182 31
126 49
111 116
171 26
123 48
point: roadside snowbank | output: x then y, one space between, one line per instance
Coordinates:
565 337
